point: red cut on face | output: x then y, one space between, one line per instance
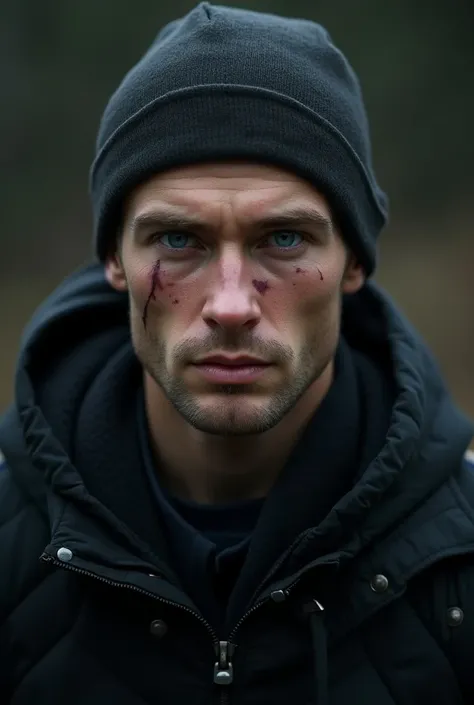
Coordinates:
155 283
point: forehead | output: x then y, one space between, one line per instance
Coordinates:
249 185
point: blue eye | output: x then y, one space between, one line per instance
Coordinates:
177 241
286 239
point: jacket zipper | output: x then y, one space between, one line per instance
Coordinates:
223 670
46 558
276 566
227 648
223 667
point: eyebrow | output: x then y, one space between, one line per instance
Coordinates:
174 219
164 218
298 215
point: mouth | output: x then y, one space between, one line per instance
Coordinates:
223 369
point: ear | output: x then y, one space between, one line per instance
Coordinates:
115 272
354 276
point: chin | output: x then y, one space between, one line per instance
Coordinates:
231 417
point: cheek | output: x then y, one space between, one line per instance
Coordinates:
157 296
313 289
308 307
152 285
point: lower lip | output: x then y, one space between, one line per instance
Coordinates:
231 374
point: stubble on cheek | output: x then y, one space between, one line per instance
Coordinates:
318 306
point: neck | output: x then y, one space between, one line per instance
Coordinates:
217 469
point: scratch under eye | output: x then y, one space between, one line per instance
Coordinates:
155 282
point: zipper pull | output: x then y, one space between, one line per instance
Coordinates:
223 668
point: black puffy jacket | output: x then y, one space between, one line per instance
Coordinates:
377 608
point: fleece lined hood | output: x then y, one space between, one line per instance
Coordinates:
423 449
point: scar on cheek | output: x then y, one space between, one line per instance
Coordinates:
155 282
260 286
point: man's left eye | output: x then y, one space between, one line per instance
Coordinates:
285 239
177 241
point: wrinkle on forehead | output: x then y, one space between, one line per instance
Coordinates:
210 190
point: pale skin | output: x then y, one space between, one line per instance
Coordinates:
238 259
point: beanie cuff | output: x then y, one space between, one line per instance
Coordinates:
217 122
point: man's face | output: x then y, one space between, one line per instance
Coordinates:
235 274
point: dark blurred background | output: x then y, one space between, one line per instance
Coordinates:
415 58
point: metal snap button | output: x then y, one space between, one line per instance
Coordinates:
158 628
64 554
455 616
379 583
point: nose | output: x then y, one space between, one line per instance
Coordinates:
231 301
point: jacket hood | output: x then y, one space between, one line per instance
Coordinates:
424 445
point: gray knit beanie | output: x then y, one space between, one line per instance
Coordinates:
224 83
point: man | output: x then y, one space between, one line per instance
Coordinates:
232 470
